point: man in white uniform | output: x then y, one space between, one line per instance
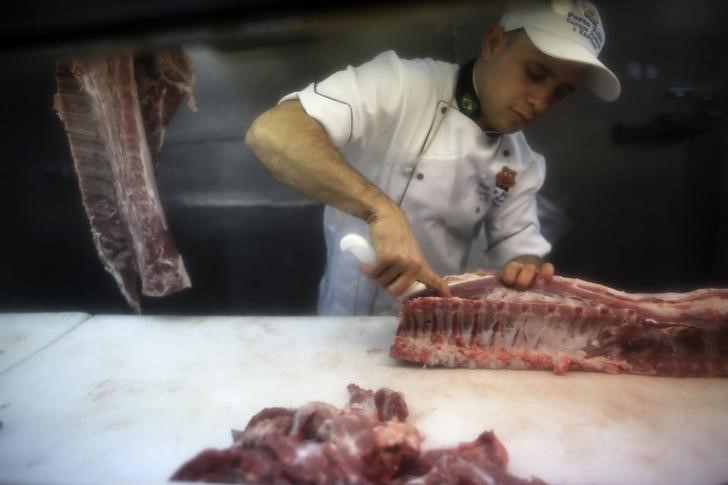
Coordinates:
423 156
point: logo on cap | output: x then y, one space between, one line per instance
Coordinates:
587 25
591 15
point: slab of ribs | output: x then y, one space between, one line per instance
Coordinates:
115 110
567 324
367 442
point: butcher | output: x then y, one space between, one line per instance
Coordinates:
423 157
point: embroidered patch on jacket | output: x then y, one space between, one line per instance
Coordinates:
506 178
483 192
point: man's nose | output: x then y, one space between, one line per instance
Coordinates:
540 99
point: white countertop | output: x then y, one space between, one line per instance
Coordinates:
24 334
129 399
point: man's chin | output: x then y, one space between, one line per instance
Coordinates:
509 129
507 126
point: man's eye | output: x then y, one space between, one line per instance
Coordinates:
534 75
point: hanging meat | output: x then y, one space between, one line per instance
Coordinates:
115 109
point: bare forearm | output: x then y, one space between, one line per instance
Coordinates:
297 151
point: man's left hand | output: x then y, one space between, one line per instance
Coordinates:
522 272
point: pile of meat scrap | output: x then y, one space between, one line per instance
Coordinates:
115 110
566 324
367 442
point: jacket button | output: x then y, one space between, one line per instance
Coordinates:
443 110
420 176
506 153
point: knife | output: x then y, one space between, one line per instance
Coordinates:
363 251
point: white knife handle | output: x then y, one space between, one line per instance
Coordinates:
363 251
359 247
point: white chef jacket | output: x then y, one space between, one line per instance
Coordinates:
397 122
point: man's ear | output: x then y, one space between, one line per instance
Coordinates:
493 41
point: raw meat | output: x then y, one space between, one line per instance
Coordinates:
367 442
163 78
567 324
99 104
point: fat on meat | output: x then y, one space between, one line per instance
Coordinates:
567 324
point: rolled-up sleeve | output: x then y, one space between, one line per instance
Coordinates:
357 103
513 229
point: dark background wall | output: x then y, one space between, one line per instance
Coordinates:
642 208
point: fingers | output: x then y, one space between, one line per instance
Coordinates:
398 285
388 275
390 267
397 278
522 276
400 262
430 279
546 274
509 273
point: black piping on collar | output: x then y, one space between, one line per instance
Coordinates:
467 98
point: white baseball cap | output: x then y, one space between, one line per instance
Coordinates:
566 29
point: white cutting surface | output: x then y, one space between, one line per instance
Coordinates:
128 399
24 334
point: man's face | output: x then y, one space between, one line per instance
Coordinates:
517 83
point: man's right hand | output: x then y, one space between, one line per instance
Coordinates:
399 261
297 151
